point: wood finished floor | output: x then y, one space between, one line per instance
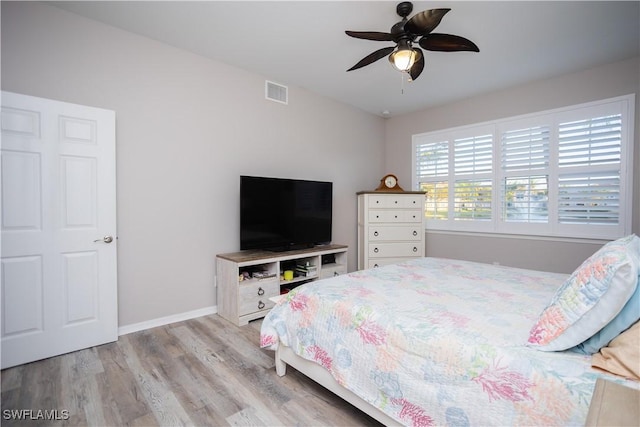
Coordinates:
203 372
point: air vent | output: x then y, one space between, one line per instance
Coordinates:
275 92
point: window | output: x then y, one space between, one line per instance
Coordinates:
566 172
433 167
472 186
524 161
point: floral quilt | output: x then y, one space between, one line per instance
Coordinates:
434 342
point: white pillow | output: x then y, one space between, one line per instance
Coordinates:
594 294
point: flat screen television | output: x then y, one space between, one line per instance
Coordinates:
284 214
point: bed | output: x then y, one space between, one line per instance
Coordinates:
432 342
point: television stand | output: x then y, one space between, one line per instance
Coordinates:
246 280
280 249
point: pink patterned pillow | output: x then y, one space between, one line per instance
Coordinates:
592 296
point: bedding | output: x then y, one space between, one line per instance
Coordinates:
434 342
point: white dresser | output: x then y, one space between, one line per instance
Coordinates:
390 227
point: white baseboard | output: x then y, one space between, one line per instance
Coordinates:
161 321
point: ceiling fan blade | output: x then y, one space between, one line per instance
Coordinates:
370 35
424 22
447 43
418 66
373 57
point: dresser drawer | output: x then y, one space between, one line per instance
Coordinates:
255 296
395 216
387 233
379 262
385 250
388 201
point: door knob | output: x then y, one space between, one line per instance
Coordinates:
106 239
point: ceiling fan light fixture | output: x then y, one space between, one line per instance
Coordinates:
418 30
403 58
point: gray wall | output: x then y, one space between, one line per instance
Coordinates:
187 127
606 81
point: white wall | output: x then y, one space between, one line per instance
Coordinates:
603 82
187 128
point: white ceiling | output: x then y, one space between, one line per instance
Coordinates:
302 43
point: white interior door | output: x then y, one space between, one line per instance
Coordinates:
59 271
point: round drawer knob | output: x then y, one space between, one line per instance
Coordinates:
415 249
260 305
260 291
375 233
375 250
415 233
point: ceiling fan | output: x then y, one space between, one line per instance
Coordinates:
404 56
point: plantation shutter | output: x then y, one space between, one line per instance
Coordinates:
432 168
589 159
473 165
525 150
432 160
525 171
566 172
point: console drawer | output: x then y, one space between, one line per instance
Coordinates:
330 270
255 296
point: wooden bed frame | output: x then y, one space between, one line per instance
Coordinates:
285 356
